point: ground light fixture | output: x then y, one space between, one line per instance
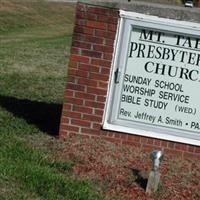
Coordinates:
157 157
154 176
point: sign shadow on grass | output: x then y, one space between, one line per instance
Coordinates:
45 116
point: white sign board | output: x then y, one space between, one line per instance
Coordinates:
155 84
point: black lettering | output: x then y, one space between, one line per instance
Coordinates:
148 64
184 72
141 50
132 49
197 45
191 73
187 42
146 36
160 67
151 51
178 39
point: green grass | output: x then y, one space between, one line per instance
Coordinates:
35 39
34 61
34 176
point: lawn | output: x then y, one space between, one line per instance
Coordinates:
35 38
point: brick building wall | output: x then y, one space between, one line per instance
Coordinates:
197 3
87 83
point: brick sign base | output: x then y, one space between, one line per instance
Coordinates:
87 83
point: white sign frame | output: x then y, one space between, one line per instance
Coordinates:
110 121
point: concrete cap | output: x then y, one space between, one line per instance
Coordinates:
160 10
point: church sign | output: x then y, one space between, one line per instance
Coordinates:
155 81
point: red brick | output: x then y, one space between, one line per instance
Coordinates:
69 93
101 77
103 85
121 136
173 152
105 70
71 79
72 114
67 106
88 38
82 95
93 90
75 50
100 62
80 22
91 53
150 141
84 30
190 148
131 143
181 147
105 34
86 15
197 149
144 140
82 109
157 142
113 140
85 67
101 99
171 145
81 123
117 135
99 10
82 73
63 134
74 101
96 126
94 104
103 48
191 156
78 58
64 120
77 87
72 72
98 112
78 37
148 148
110 134
92 118
97 25
164 143
83 45
107 56
109 19
109 42
69 128
87 82
89 131
89 68
112 27
73 64
92 39
134 138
